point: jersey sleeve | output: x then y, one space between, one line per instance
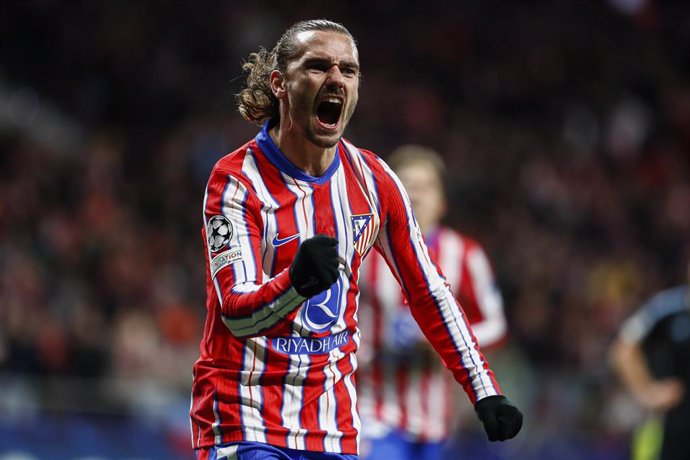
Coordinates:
252 304
432 303
491 328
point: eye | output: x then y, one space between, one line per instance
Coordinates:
317 66
350 71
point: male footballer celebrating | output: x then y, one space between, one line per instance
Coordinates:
288 218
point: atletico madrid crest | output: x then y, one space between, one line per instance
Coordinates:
362 232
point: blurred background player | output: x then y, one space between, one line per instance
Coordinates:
652 358
405 391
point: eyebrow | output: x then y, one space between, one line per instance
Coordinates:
327 61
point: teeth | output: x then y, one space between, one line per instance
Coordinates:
332 100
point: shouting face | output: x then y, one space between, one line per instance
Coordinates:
319 88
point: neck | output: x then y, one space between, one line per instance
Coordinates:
308 157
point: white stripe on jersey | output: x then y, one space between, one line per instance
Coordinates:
216 422
268 208
250 389
459 331
192 422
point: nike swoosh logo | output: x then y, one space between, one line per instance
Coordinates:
279 242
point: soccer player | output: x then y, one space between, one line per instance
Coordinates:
288 218
405 394
652 358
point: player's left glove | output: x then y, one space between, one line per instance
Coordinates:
501 419
315 266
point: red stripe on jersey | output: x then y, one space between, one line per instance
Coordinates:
309 414
344 408
323 215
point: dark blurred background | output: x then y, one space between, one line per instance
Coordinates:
566 127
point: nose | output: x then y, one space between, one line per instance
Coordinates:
335 77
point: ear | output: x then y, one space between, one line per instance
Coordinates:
278 84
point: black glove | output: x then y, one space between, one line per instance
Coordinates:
501 419
315 266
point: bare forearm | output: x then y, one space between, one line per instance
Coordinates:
631 366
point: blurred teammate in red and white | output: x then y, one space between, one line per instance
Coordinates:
405 392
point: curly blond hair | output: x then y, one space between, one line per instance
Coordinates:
256 101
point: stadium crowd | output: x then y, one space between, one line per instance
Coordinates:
566 128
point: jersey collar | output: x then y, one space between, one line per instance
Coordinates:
280 161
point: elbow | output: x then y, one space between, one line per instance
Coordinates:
623 356
235 324
234 327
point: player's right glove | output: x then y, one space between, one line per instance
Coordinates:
501 419
315 266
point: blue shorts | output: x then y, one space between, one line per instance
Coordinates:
259 451
395 446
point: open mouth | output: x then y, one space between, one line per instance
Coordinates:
328 111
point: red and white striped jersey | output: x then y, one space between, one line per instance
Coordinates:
278 368
408 389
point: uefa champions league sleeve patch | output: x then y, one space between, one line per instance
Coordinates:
224 259
218 233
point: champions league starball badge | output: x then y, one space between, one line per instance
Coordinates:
218 233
